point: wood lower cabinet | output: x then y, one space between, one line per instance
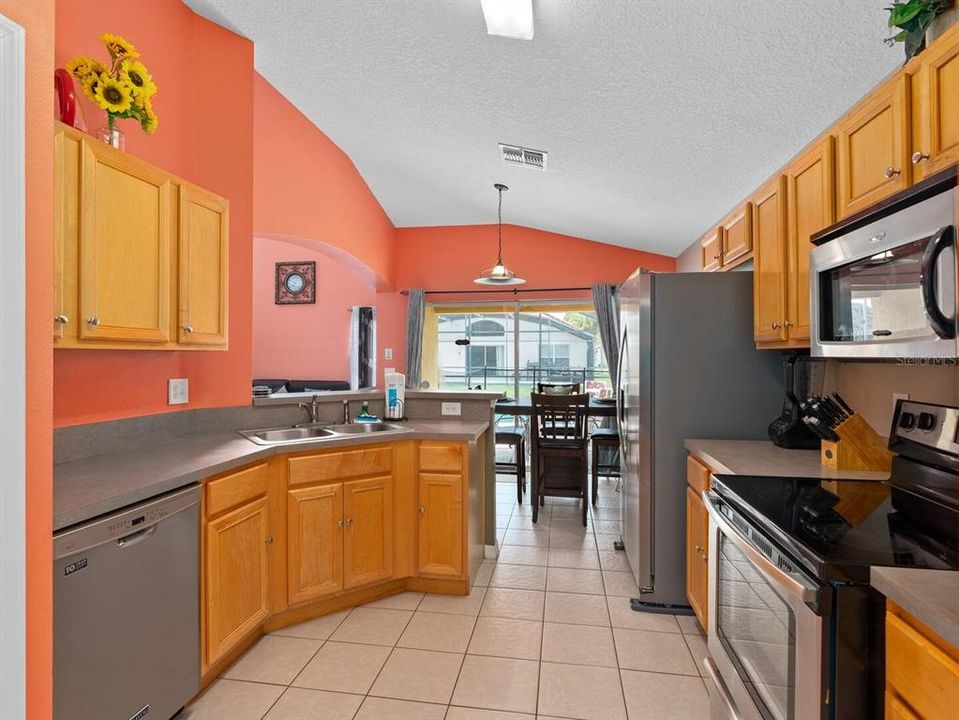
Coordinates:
937 84
315 526
697 540
368 535
440 536
922 670
235 577
873 145
769 261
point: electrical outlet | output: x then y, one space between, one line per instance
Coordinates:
178 391
388 353
451 408
896 397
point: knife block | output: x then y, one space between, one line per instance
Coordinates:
859 448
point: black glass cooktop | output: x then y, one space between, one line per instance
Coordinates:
838 529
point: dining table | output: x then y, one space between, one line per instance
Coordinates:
523 406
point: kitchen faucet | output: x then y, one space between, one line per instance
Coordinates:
347 420
312 407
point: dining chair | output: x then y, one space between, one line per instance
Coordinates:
514 438
560 449
558 388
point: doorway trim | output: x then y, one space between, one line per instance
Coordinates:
13 371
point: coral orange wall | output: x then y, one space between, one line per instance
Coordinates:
205 104
37 19
306 187
448 258
303 342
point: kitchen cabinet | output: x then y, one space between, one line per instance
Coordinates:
873 143
315 525
922 670
204 267
737 236
937 86
769 262
697 540
140 256
441 510
712 250
368 535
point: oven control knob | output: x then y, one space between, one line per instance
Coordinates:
907 421
927 421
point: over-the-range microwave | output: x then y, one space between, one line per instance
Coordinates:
883 282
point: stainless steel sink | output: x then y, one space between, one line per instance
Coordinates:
310 433
362 428
274 436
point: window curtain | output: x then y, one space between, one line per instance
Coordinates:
415 317
607 315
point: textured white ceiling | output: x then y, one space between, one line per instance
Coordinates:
658 115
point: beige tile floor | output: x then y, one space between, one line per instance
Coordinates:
546 633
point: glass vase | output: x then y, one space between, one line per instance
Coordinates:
112 136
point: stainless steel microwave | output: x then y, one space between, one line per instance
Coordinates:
883 283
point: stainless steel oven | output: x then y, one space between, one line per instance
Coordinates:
768 654
883 284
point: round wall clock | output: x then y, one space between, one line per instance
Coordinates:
295 283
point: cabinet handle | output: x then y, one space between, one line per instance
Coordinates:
918 157
269 540
188 329
61 319
339 523
787 324
891 172
93 321
422 510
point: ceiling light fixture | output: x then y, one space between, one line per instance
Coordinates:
509 18
499 274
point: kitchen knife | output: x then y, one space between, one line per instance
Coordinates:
843 403
827 433
813 427
835 409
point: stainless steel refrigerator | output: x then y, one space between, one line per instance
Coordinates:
688 368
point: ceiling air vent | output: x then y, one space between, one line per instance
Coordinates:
513 155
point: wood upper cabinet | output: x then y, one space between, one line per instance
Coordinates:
126 245
769 260
810 193
204 267
937 84
236 576
712 250
873 148
737 235
368 535
315 527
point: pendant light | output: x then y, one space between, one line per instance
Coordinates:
499 274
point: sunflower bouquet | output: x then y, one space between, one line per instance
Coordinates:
123 89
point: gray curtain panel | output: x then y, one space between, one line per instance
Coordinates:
415 315
607 314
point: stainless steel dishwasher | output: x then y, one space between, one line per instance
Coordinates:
126 629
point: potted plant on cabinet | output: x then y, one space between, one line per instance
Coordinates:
913 18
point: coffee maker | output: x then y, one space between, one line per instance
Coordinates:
802 377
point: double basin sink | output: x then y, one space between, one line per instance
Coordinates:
310 433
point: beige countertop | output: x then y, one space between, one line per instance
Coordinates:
761 457
932 596
83 489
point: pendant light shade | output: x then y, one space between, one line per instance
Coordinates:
499 274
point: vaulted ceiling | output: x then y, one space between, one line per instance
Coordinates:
658 116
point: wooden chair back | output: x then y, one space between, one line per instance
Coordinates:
558 388
559 418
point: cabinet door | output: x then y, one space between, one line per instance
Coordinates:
769 275
125 247
66 212
873 143
697 533
737 235
236 576
368 537
810 192
712 250
314 542
204 269
939 103
440 541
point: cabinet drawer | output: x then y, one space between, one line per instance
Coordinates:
340 465
923 674
697 475
235 489
441 457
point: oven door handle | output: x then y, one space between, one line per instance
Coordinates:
944 327
792 582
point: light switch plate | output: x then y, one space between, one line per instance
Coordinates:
388 353
451 408
178 391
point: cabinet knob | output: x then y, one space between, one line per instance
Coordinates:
349 522
61 319
699 548
188 329
422 510
892 172
339 523
918 157
776 325
269 540
787 324
93 321
716 257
